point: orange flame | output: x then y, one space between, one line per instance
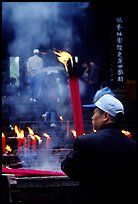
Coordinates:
31 132
20 133
37 137
3 134
74 133
63 57
8 148
46 135
127 133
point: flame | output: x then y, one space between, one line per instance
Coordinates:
20 133
46 135
31 132
3 134
8 148
32 135
127 133
61 118
93 130
37 137
63 57
74 133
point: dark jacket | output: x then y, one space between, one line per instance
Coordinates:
104 164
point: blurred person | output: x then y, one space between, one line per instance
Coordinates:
11 88
104 162
35 75
91 77
104 89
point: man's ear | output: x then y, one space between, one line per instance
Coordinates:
106 117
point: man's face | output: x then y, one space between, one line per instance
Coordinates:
97 118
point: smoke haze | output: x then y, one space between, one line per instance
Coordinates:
44 24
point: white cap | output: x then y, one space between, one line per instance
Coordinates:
36 51
110 104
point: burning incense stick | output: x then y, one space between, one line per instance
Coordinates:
70 66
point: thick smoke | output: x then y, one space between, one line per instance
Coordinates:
45 24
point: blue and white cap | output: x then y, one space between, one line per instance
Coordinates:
109 104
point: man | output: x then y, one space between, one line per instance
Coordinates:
104 89
34 68
103 162
92 79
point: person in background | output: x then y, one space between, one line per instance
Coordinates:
12 89
104 89
35 75
103 162
91 77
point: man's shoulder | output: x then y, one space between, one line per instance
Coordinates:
30 58
89 136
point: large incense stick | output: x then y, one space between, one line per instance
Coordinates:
75 98
70 66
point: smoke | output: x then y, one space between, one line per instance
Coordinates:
44 24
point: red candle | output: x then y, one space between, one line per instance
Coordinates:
47 144
19 145
48 138
29 143
3 143
68 128
33 143
24 144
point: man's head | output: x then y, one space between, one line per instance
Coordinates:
36 51
107 109
110 104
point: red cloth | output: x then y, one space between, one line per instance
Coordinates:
31 172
